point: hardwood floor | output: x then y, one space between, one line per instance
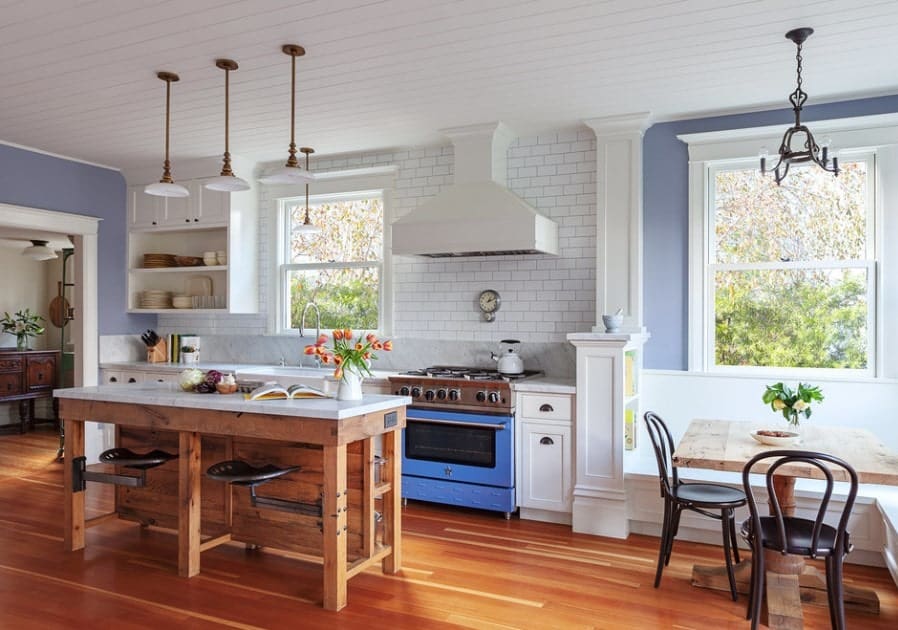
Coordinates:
461 569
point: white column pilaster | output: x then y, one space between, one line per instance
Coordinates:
619 216
600 501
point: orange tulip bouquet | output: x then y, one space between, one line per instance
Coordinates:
348 353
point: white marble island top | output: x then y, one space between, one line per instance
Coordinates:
171 395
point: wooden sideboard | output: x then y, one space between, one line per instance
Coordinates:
26 375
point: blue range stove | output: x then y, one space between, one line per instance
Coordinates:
458 444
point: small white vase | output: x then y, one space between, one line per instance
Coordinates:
350 387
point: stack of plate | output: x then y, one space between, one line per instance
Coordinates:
154 298
156 261
182 301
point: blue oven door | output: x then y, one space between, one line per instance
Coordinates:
465 447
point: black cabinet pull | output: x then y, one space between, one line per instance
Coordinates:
547 441
132 380
113 379
546 407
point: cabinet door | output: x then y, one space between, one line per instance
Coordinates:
144 210
179 211
546 466
113 377
159 377
213 207
10 384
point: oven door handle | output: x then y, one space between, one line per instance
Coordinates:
458 423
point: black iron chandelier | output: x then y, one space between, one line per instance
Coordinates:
808 149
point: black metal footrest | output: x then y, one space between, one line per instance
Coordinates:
119 457
241 473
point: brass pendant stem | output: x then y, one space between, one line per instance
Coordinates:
294 51
308 151
227 65
168 77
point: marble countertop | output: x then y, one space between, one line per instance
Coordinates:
171 395
547 385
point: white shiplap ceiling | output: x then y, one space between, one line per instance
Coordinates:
78 76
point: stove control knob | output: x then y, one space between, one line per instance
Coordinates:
441 394
454 394
493 397
481 396
428 395
404 391
416 392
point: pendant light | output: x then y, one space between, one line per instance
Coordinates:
290 173
38 250
166 187
307 227
807 149
227 181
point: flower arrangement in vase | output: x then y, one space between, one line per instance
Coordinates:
351 358
23 324
792 403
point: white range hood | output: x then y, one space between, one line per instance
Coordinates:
477 215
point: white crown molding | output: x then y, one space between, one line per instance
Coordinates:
58 155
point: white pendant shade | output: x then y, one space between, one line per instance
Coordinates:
306 228
164 189
38 250
288 175
227 183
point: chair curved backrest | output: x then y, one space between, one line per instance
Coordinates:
663 444
823 463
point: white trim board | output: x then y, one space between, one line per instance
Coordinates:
68 158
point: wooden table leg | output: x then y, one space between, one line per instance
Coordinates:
392 502
334 526
189 478
73 518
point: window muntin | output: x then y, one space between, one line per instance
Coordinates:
791 280
339 268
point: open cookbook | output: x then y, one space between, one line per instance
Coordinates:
276 391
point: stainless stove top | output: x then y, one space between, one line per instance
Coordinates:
462 388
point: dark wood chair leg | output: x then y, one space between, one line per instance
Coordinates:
662 545
725 530
830 592
734 541
673 529
838 594
758 584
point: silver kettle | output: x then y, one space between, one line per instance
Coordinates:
508 360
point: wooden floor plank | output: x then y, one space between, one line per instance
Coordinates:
461 568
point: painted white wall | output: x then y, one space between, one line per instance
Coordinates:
24 285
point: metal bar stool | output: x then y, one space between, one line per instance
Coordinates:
240 473
123 457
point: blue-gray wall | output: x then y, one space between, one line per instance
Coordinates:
41 181
666 215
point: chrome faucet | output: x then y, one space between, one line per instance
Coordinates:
302 321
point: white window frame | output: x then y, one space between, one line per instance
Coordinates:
854 136
331 185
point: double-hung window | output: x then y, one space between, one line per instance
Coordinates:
339 268
790 280
789 273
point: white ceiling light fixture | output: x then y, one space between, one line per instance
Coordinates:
291 172
227 181
38 250
307 227
166 187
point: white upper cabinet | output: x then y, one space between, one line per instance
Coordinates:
202 208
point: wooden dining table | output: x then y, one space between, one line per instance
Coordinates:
728 445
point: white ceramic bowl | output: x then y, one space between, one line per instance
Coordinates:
783 438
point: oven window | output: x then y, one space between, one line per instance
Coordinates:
453 444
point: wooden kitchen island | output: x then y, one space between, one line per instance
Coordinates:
334 443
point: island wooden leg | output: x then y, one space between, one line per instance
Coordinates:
334 526
189 478
392 502
73 517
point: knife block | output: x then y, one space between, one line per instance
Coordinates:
157 353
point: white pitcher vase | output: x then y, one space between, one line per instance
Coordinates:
350 387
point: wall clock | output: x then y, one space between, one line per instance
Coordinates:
489 303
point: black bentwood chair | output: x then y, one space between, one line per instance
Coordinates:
811 538
710 499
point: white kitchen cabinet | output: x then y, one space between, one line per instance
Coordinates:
544 465
113 377
205 221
